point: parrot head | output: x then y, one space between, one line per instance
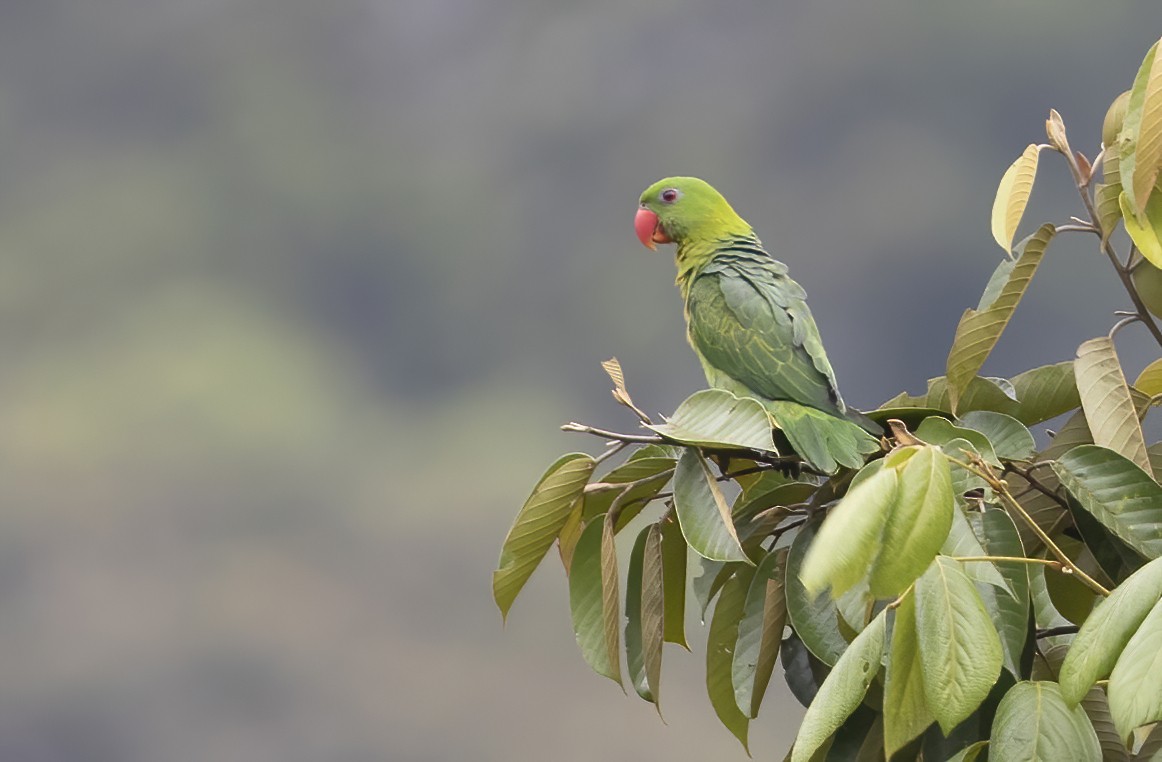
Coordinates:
679 209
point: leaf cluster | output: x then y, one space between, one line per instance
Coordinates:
965 591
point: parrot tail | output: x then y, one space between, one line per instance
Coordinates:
822 439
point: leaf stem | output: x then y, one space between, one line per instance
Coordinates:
1016 559
999 486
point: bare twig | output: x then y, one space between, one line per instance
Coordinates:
612 448
1083 227
613 435
1016 559
1065 629
1122 268
1000 487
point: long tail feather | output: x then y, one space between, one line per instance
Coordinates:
821 439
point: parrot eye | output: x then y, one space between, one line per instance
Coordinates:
670 195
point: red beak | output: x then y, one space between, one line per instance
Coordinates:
649 229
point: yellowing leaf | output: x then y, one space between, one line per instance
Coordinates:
1140 146
1145 229
1013 195
537 525
1149 381
979 329
1106 400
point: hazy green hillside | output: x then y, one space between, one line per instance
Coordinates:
293 296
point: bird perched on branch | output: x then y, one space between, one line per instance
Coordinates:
749 324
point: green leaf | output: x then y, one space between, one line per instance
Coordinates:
1103 637
1107 203
1097 708
1043 509
814 617
1116 559
1008 608
803 672
674 559
598 501
1109 409
859 739
940 431
962 542
916 525
1045 614
1034 723
593 600
702 511
960 652
644 604
969 753
1070 597
1043 393
537 525
707 584
1013 195
1117 493
1135 689
717 419
979 329
1009 437
1140 142
849 539
760 632
720 653
904 683
757 500
843 690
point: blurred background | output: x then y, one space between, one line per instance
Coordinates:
294 295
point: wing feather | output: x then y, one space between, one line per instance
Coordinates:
750 321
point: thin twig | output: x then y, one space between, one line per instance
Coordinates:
1037 484
1016 559
1065 629
1084 227
999 486
613 449
634 438
1122 268
1122 324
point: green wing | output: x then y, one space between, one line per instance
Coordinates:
750 323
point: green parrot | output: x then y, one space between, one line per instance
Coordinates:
749 324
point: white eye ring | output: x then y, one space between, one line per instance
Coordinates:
670 195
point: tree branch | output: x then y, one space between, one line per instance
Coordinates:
1122 269
1001 488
